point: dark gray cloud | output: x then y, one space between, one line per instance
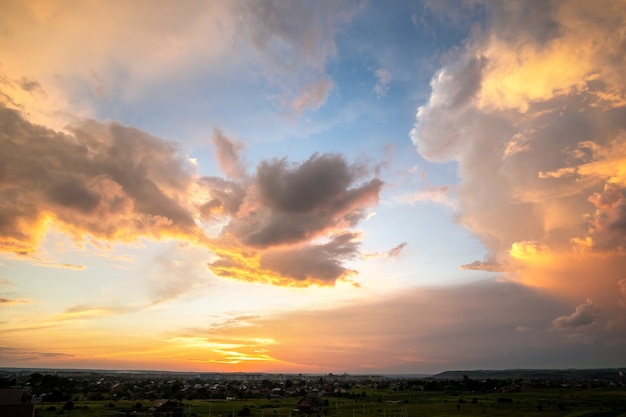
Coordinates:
299 202
226 197
100 179
315 263
584 315
30 85
319 181
290 222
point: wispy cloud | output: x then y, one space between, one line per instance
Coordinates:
430 194
418 325
383 79
312 96
391 253
489 265
6 301
26 355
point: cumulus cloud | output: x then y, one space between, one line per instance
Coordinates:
608 224
292 203
104 179
322 262
294 220
533 113
109 182
584 315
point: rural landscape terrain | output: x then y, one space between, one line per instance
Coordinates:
581 393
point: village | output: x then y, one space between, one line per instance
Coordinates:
110 393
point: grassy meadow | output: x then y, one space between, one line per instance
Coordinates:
574 402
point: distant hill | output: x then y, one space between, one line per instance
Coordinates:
551 374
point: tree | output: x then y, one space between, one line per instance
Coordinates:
69 405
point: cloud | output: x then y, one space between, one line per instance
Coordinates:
4 301
320 262
228 156
432 194
105 180
383 78
584 315
312 96
294 203
422 326
395 251
295 36
491 266
532 112
289 44
109 182
164 273
14 355
391 253
621 284
225 197
608 224
294 222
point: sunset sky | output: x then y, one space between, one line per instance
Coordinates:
319 186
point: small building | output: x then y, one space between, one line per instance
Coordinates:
11 405
311 403
161 406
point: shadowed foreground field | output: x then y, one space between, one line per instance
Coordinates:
574 402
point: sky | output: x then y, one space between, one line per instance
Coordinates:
311 187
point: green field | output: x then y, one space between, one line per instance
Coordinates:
574 402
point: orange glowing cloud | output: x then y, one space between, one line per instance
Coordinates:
40 43
289 224
562 52
532 110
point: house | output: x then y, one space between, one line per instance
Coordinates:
11 405
161 406
311 403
